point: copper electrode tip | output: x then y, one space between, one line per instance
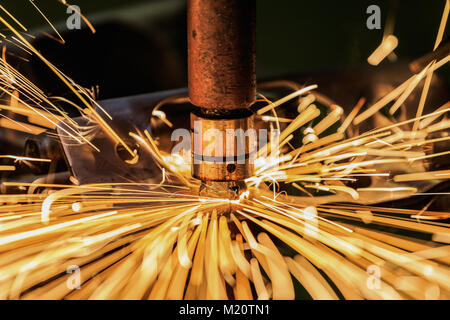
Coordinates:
221 54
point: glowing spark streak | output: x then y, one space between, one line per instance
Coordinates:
156 155
364 164
215 288
285 141
294 215
305 102
162 116
160 263
431 253
369 175
20 126
340 157
397 189
432 193
426 122
45 215
447 109
310 282
285 99
101 121
329 120
354 194
330 150
394 94
7 168
51 121
282 286
19 46
274 119
445 124
183 255
226 262
429 156
320 218
13 18
295 242
55 227
426 86
88 241
321 142
423 97
242 289
176 288
411 86
46 19
318 234
269 163
107 187
260 288
443 174
388 153
352 115
25 158
22 46
309 114
382 102
197 273
387 46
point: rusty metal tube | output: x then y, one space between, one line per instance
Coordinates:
222 82
221 54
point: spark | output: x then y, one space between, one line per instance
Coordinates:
163 241
13 18
7 168
427 84
20 158
430 175
46 19
285 99
397 92
386 47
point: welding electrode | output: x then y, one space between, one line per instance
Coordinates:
222 82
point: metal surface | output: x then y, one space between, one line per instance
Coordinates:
108 165
129 114
45 147
221 54
223 149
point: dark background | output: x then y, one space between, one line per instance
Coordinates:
292 36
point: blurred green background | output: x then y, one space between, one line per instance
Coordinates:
292 36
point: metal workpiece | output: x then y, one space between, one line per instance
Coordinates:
221 54
222 149
45 147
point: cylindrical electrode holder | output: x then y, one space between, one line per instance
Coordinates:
221 54
223 149
222 83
